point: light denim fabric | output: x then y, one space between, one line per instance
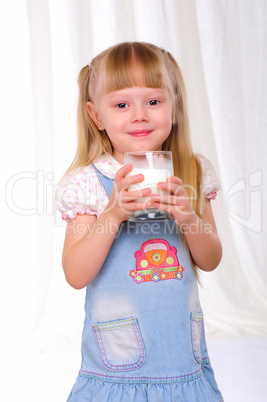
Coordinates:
143 337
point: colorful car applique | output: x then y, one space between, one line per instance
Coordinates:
155 261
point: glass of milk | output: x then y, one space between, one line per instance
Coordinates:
156 166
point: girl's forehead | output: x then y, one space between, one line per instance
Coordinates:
137 91
112 77
134 93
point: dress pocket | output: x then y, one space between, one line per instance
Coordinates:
196 331
120 344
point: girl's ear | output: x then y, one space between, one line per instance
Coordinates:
91 110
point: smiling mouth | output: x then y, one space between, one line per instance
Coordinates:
140 133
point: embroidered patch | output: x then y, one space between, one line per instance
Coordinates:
155 261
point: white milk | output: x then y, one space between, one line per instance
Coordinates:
151 178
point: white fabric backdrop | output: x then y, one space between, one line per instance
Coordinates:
221 48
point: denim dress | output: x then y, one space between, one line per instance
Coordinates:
143 337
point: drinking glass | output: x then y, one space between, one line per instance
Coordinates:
156 166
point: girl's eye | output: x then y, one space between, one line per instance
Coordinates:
153 102
121 105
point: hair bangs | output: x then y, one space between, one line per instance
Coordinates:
133 65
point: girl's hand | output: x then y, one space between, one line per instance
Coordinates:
177 202
123 202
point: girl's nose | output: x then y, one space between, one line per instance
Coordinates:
139 114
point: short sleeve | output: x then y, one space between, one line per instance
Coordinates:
210 182
78 193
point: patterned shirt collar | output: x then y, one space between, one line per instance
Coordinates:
108 165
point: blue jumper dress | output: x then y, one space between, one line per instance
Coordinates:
143 337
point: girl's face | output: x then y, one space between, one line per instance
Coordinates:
135 118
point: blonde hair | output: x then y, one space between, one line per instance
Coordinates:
117 68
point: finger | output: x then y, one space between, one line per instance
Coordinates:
122 174
172 200
173 209
163 207
123 171
133 195
174 188
131 181
134 206
174 179
122 182
164 199
177 190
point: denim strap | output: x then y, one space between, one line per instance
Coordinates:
106 182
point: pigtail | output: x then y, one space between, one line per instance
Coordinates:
91 143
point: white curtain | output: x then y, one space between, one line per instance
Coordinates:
221 48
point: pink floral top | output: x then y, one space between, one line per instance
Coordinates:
81 193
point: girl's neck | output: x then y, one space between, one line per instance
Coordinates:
118 156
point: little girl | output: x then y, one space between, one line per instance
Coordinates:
143 337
